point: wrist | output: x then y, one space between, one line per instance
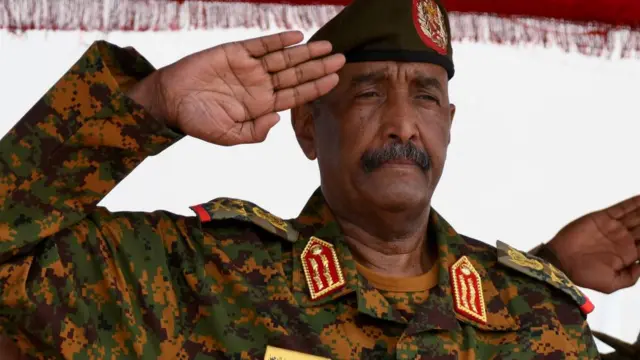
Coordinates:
149 94
547 253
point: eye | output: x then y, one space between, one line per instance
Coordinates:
367 94
429 98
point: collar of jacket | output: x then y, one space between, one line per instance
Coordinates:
437 313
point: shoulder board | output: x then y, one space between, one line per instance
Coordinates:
227 208
542 270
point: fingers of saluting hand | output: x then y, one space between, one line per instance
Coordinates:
263 45
291 57
302 94
273 52
308 71
299 74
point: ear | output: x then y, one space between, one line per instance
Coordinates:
452 112
452 115
302 122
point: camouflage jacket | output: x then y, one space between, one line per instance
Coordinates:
79 282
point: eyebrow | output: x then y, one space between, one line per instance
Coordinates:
428 82
369 77
420 80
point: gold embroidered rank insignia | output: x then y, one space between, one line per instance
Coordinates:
321 268
467 291
544 271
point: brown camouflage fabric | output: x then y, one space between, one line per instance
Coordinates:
80 282
544 271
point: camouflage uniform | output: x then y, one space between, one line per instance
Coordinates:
78 280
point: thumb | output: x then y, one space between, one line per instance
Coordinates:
260 127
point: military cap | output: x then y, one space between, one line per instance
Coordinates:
391 30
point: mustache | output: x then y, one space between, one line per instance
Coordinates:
373 159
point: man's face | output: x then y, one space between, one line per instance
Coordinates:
381 135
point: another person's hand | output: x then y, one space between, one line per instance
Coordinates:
601 250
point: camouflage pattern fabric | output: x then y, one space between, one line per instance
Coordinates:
85 283
544 271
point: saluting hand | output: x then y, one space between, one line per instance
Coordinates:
601 250
230 94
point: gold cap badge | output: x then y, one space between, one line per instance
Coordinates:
430 24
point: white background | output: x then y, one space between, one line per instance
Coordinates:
540 138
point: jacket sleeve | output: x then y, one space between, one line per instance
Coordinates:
622 350
70 272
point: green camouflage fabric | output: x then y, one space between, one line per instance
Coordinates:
543 252
80 282
623 350
544 271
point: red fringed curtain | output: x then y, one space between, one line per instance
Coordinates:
592 27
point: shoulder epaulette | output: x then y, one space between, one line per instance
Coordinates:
227 208
542 270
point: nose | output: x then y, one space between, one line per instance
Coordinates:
399 121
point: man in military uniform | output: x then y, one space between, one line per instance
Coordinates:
367 271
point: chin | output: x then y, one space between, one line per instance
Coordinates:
398 195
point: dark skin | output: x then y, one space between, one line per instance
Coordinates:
383 213
601 250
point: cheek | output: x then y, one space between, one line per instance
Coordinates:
327 142
359 132
333 144
349 136
436 141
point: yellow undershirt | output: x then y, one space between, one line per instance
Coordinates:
419 283
403 294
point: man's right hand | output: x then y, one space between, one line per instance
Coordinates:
230 94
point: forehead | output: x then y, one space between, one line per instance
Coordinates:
393 70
